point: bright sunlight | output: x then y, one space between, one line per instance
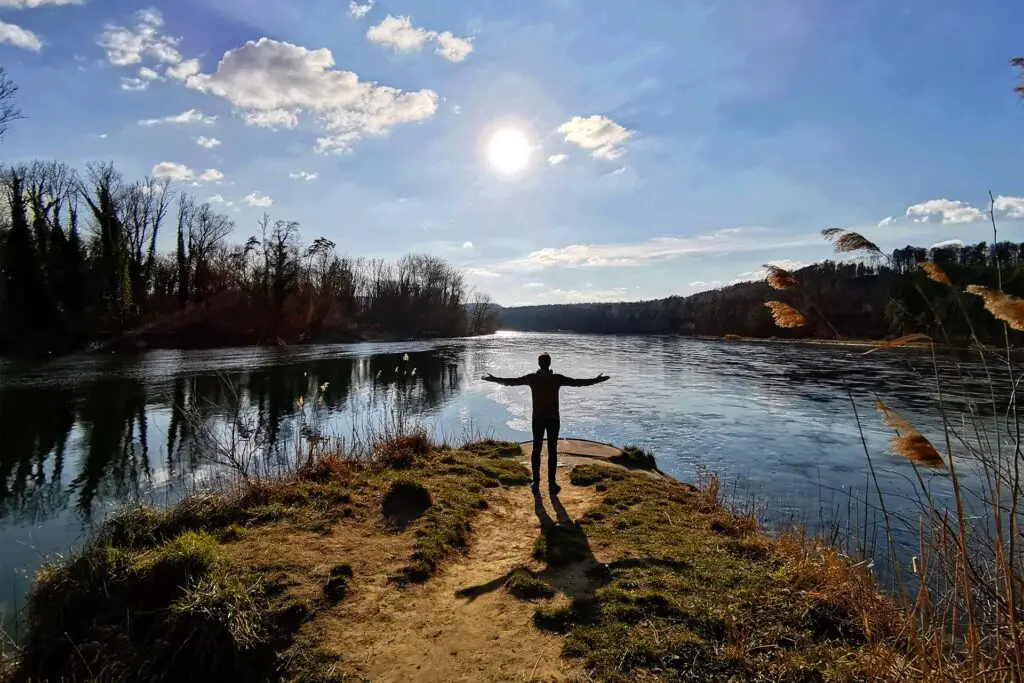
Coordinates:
508 151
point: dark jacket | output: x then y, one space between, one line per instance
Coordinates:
544 385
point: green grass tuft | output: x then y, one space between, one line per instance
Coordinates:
634 457
337 584
524 584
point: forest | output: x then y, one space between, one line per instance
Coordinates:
878 296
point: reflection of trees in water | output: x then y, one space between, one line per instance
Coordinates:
115 453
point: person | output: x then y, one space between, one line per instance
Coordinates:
544 385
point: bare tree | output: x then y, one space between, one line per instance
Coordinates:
9 111
1018 63
207 232
143 207
481 313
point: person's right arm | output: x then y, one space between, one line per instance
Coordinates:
508 381
572 382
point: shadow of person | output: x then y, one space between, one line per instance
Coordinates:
570 565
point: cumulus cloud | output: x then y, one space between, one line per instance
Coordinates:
359 11
272 82
951 212
603 137
19 37
190 116
1012 206
217 199
173 171
127 46
257 199
399 34
211 175
183 70
701 285
467 245
889 220
302 175
533 285
556 159
948 243
208 143
133 84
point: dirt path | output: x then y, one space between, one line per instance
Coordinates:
432 633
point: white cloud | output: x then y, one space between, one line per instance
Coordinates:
19 37
704 286
533 285
273 82
190 116
451 47
760 274
887 221
211 175
456 109
303 175
133 84
481 272
556 159
585 296
600 134
467 245
656 250
951 212
948 243
32 4
1013 206
257 199
148 74
176 172
182 71
208 143
127 46
217 199
359 11
399 34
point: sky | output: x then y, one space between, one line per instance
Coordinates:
556 150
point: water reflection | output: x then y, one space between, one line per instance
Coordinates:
112 438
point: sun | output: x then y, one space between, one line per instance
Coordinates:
508 151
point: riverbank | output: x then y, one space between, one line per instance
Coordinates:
439 564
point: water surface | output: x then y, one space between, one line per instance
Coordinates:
81 436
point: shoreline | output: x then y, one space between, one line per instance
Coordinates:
416 564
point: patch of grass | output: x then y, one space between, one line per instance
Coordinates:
703 595
338 579
403 451
634 457
406 500
496 449
561 544
524 584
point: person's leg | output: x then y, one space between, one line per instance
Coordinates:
553 427
538 440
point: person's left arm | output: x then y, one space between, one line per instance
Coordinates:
573 382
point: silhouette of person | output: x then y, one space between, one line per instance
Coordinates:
544 385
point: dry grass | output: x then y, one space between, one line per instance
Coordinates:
846 241
779 278
1007 308
935 273
909 443
785 315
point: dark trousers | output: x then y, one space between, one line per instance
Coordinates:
549 425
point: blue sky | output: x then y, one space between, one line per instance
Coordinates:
701 139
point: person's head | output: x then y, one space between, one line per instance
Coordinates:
544 361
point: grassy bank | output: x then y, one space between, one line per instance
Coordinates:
299 580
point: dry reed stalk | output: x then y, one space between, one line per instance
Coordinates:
847 241
779 278
909 339
1007 308
908 442
935 273
785 315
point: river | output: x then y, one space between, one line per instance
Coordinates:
82 435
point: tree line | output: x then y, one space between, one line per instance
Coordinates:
875 298
80 263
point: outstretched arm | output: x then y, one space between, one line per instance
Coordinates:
571 382
508 381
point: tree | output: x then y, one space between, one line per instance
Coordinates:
207 231
186 211
25 307
9 111
1018 63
